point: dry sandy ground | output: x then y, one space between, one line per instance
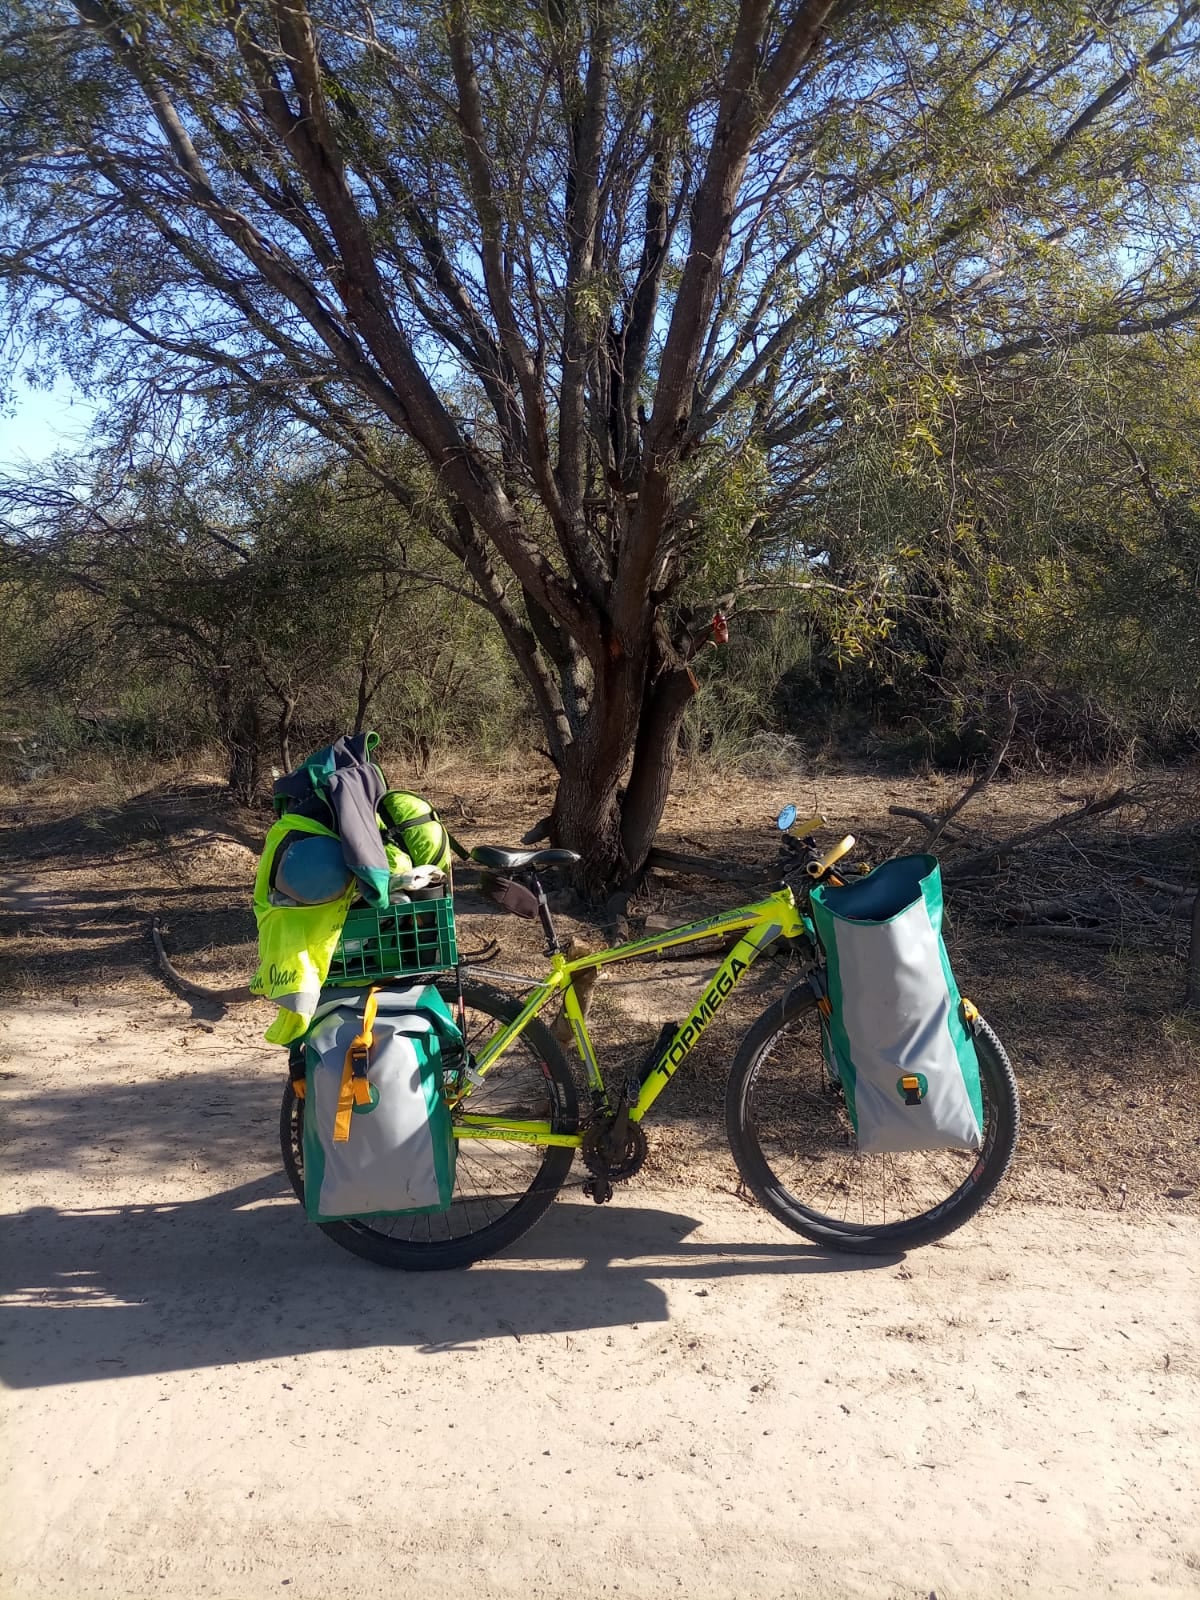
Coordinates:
672 1395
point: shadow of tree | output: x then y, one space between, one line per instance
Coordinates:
27 833
240 1275
69 937
150 1284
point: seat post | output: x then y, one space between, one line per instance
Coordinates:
553 948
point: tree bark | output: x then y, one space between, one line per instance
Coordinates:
243 740
616 777
283 731
668 696
587 809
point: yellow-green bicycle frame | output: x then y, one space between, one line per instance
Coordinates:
764 922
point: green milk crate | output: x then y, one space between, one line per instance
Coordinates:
396 941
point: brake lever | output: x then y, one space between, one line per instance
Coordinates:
790 845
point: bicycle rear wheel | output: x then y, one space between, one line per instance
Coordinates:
794 1143
500 1188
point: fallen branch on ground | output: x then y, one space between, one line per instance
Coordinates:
969 866
1062 930
198 991
927 819
1079 879
487 951
981 782
1183 890
700 867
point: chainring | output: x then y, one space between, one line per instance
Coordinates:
598 1157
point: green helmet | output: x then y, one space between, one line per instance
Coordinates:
413 824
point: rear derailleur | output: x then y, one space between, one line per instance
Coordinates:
613 1150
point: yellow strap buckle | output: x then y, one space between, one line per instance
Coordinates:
355 1088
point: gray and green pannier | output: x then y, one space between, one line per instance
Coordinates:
378 1139
894 1028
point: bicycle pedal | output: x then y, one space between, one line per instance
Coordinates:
599 1190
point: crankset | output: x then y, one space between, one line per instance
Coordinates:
613 1150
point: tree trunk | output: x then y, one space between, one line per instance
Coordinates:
244 743
364 690
616 777
587 811
284 731
654 755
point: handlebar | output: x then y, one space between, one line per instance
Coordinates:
797 842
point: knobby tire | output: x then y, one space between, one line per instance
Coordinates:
814 1144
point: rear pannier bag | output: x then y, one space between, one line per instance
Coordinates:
378 1139
895 1033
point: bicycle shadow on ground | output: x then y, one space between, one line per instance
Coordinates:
240 1276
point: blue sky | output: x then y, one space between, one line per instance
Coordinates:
36 422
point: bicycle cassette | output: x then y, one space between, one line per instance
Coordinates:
606 1160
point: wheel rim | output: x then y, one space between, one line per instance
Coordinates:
492 1176
795 1113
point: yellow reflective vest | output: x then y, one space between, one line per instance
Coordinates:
295 943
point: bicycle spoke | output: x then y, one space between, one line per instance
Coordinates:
803 1130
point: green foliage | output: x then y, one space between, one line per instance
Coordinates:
1033 537
176 605
929 419
736 717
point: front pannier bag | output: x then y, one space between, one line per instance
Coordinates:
378 1139
895 1033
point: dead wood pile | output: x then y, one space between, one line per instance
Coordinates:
1119 869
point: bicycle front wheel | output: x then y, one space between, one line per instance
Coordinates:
794 1143
500 1188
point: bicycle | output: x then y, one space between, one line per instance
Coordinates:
518 1121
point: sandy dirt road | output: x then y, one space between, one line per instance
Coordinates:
671 1395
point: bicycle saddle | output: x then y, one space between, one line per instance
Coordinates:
501 859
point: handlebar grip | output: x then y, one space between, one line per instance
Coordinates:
818 869
811 825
